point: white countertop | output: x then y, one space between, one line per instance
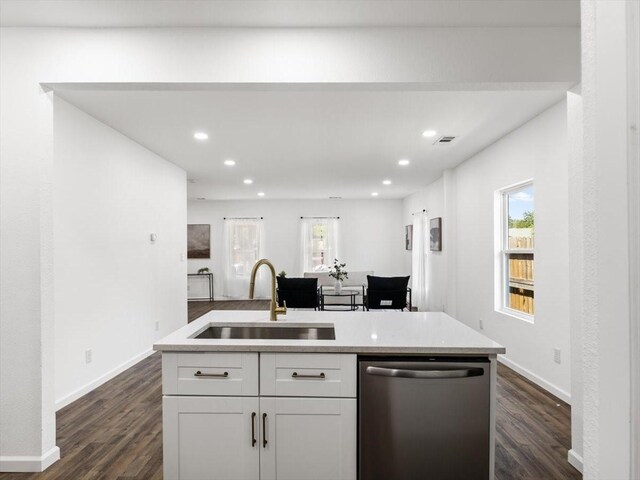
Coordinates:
356 332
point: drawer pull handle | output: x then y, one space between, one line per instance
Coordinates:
297 375
211 375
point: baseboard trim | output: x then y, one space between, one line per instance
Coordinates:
541 382
76 394
29 463
575 460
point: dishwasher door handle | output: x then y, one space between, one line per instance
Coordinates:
402 373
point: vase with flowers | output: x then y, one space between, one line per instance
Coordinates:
339 274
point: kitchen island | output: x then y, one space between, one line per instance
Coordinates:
248 402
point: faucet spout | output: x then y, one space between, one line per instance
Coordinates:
274 309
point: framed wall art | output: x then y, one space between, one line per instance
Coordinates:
199 241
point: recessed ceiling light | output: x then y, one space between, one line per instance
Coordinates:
200 136
429 133
229 162
247 181
404 162
261 194
374 194
386 182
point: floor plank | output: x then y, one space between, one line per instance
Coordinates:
115 431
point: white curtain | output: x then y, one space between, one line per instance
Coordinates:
243 247
319 238
419 285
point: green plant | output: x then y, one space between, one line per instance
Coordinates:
338 272
527 221
203 270
282 274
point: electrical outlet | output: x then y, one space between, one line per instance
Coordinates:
88 356
481 325
557 355
157 326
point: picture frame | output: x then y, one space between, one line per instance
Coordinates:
199 241
435 234
408 237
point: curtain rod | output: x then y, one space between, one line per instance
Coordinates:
424 210
301 218
243 218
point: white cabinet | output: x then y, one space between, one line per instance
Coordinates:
208 436
308 438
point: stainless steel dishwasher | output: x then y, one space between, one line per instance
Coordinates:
423 418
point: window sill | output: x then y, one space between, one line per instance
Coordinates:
515 314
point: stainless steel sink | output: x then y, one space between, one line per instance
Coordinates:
269 332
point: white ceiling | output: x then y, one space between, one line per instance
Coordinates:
314 143
288 13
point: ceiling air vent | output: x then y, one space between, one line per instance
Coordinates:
445 140
335 198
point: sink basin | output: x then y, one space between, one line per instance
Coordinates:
269 332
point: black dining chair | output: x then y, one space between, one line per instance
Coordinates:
298 292
388 293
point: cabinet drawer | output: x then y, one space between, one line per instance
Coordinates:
210 374
308 374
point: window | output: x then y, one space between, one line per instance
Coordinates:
516 246
244 246
319 244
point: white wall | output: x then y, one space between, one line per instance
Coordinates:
604 184
111 283
536 150
431 199
371 234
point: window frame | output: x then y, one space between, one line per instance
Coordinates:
503 252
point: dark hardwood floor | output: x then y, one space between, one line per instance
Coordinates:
197 309
115 432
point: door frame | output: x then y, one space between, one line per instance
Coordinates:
633 159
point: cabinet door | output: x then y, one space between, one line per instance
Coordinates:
209 438
308 438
